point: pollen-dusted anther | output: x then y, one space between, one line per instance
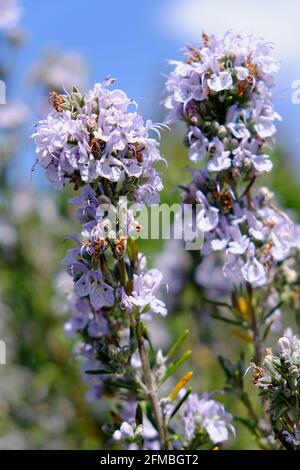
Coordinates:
270 224
135 151
242 87
194 57
252 68
226 200
258 372
139 157
205 39
99 247
268 248
57 101
119 247
97 147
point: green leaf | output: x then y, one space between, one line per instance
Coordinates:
177 344
138 415
147 337
279 409
121 384
100 371
270 312
198 440
267 330
228 320
218 304
173 367
181 402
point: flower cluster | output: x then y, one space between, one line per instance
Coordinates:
93 142
255 234
94 136
222 91
204 416
131 434
279 383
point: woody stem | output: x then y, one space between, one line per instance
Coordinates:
150 381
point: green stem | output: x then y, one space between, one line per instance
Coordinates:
247 403
150 382
254 326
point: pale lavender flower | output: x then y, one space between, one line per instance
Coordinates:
144 295
198 144
239 243
253 271
222 91
102 139
220 81
125 432
207 415
220 158
207 218
96 143
226 67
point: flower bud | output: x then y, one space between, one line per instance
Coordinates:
284 345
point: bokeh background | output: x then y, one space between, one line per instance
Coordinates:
52 45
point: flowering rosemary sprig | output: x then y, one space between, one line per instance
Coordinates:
278 381
93 142
222 91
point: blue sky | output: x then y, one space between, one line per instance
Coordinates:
131 40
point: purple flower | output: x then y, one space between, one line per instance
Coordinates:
219 82
220 160
207 218
100 138
253 271
125 432
198 144
101 293
222 92
247 74
205 414
239 243
144 295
